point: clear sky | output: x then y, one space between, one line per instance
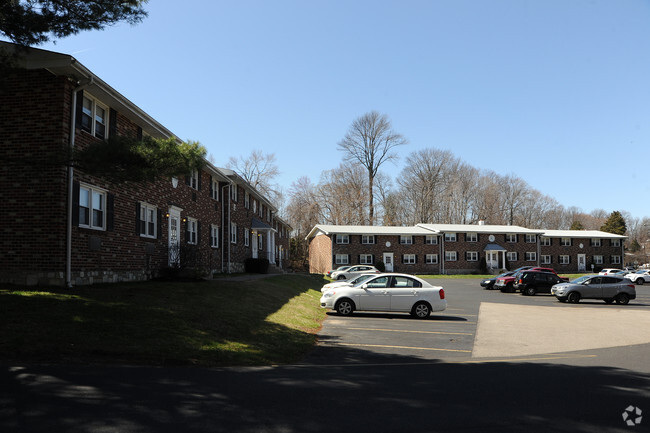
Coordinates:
556 92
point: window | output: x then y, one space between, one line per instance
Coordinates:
598 260
615 242
565 242
408 259
512 256
406 240
214 236
233 233
432 259
260 242
234 193
254 206
450 237
367 239
451 256
192 230
546 242
615 260
247 200
531 239
531 256
431 240
405 282
92 207
94 117
215 190
342 239
342 259
564 260
247 238
512 238
595 242
471 237
365 259
148 219
471 256
194 179
545 259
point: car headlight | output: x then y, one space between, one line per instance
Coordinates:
328 294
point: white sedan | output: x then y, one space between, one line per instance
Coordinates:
639 277
341 283
353 271
387 292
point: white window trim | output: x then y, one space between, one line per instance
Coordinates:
432 259
93 125
598 260
471 237
530 256
615 242
93 189
564 259
530 239
215 189
215 236
145 209
596 242
247 238
472 256
406 240
339 259
510 254
431 240
368 239
511 238
233 233
616 260
563 242
545 241
194 179
365 259
192 228
247 200
342 239
409 259
451 237
545 259
451 256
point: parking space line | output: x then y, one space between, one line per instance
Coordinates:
401 347
412 332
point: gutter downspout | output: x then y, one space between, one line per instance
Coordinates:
227 241
73 127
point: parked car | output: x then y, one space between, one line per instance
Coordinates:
609 271
489 283
507 284
387 292
609 288
340 268
532 282
341 283
639 277
353 271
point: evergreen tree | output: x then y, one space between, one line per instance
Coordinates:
576 225
615 224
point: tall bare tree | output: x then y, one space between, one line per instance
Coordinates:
259 170
370 142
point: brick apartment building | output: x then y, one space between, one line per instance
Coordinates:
462 248
63 226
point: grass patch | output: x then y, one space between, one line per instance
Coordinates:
212 323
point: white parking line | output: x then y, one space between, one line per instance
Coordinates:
399 347
412 332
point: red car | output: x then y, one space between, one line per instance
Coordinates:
507 284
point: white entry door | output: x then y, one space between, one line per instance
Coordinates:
582 262
174 237
388 261
492 259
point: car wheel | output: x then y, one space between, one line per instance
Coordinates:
574 297
530 291
563 300
341 277
640 281
421 310
608 301
510 288
344 307
622 299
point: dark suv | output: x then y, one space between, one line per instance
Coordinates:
531 282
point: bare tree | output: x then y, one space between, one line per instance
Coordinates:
259 170
340 194
370 142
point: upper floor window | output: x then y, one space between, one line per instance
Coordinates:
148 219
565 242
234 193
342 239
406 240
194 179
367 239
615 242
431 240
247 200
215 189
595 242
512 238
471 237
546 242
531 239
94 117
254 206
450 237
92 207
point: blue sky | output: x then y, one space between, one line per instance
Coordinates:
556 92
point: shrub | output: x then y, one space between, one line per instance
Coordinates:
256 266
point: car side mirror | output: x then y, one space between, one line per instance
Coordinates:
364 286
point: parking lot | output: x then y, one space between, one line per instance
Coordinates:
488 325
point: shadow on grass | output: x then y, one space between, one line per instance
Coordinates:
160 323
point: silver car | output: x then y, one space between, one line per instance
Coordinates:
609 288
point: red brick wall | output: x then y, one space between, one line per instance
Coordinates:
320 254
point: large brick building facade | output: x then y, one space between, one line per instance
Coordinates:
63 226
462 248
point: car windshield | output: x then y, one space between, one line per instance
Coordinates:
641 271
582 279
505 274
360 279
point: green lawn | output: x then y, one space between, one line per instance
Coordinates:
212 323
